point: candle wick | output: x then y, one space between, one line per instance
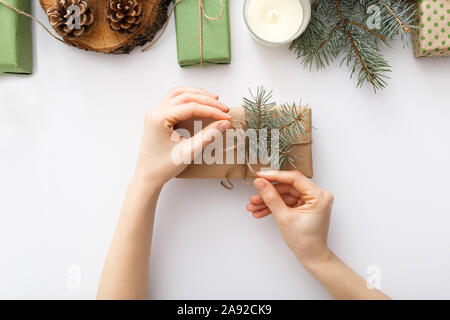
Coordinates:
273 16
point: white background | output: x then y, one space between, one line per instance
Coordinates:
69 136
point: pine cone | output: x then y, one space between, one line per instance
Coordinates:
123 16
68 20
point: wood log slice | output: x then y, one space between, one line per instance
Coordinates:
102 39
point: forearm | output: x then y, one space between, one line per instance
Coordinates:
125 273
341 281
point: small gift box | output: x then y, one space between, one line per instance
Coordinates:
302 150
203 32
15 38
433 36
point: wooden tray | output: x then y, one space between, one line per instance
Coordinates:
102 39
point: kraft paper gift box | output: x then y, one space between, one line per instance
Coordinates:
433 36
238 171
15 39
199 37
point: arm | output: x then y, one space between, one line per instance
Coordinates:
163 155
125 273
302 211
341 281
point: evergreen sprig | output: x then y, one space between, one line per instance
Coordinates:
339 28
289 119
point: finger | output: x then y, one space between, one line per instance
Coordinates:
187 97
270 195
255 207
176 91
256 199
288 199
200 140
262 213
295 178
192 109
281 188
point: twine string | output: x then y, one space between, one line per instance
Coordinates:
227 184
163 30
201 14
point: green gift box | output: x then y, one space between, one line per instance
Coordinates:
15 38
203 32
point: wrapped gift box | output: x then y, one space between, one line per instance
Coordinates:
15 39
433 36
235 171
214 35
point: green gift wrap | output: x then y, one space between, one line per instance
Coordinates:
15 38
203 36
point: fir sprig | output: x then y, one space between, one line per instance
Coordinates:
288 119
340 28
258 108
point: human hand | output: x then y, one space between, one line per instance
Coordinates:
301 209
156 162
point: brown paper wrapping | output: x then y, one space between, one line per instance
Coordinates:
433 36
237 171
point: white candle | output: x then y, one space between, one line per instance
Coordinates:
274 21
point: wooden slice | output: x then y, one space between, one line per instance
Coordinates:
102 39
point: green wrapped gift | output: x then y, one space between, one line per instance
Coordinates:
15 38
203 32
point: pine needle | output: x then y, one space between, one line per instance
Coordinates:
340 28
288 119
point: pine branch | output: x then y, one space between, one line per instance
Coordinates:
367 29
364 66
326 39
258 108
365 59
397 17
341 28
288 119
400 22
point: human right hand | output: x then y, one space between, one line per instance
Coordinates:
164 153
301 209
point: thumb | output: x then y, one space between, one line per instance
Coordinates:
270 196
200 140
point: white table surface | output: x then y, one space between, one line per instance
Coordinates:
69 136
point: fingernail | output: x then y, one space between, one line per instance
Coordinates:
266 173
214 95
225 106
224 125
259 185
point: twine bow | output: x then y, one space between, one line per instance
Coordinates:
201 14
227 184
